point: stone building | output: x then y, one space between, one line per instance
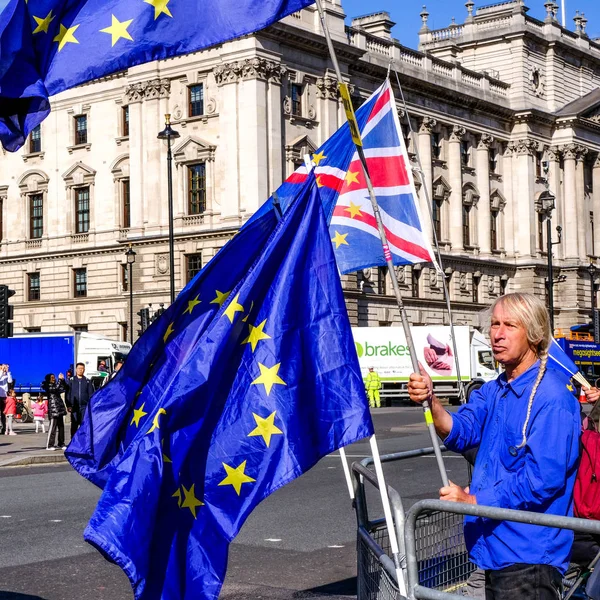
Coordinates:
504 111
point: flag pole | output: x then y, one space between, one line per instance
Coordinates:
356 138
461 387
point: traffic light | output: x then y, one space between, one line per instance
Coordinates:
144 322
6 312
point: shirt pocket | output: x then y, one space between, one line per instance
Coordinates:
511 456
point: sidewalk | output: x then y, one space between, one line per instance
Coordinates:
29 448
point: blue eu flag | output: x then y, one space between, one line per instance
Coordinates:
243 398
47 46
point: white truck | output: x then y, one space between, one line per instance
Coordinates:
385 349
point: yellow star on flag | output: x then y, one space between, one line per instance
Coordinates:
319 184
192 304
160 7
268 377
351 177
43 24
265 427
233 307
66 35
168 332
340 239
177 495
155 423
165 457
317 158
236 477
354 210
220 298
256 334
118 30
138 413
190 501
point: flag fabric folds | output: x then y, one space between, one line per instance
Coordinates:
559 360
48 46
346 199
256 379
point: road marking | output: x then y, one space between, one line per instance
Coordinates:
5 516
273 540
55 521
332 467
335 546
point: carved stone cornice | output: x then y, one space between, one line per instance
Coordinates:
3 192
574 152
427 125
249 68
148 90
553 153
458 132
524 147
485 141
327 88
597 162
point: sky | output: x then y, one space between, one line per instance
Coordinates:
406 14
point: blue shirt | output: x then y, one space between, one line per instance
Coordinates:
539 478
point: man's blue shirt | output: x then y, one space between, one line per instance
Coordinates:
539 477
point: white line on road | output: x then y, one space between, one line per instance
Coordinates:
273 540
55 521
335 546
5 516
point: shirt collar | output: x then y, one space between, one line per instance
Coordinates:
524 380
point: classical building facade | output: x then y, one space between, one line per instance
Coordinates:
504 113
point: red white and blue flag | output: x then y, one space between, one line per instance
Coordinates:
345 196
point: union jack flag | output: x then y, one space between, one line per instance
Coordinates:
345 196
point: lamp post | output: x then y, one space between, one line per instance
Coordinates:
592 270
169 133
130 255
547 203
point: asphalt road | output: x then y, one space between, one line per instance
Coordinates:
299 543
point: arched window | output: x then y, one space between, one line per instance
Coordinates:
469 216
497 204
439 208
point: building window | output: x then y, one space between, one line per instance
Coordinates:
196 100
193 265
493 160
80 328
416 275
125 189
36 216
82 210
406 135
33 286
124 277
124 332
465 153
296 97
80 282
33 329
381 281
436 146
475 289
436 215
125 121
541 219
539 166
196 189
503 285
81 132
466 225
35 140
494 214
592 236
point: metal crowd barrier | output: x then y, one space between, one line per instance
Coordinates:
433 555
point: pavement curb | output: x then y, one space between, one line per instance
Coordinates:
32 459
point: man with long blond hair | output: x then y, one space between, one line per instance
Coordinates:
526 424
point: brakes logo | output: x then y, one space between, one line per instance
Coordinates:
388 349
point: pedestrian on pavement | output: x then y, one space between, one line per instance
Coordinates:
118 366
78 395
5 381
10 410
56 409
40 410
102 367
526 424
373 385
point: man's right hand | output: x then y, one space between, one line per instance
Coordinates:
420 387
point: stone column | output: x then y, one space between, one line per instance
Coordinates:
524 207
596 206
327 93
508 223
582 213
455 176
424 141
483 184
570 243
276 172
554 186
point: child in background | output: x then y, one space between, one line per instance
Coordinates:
10 410
40 410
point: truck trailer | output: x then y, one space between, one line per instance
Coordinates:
31 356
385 349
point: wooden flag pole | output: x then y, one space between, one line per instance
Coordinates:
356 138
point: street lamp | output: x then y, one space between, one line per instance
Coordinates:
592 270
130 256
169 133
547 201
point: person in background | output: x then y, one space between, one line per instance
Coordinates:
373 385
40 410
118 366
526 424
10 410
102 367
5 381
56 409
78 395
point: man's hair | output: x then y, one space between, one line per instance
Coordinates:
78 364
531 312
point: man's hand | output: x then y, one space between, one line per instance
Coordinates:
592 394
420 387
454 493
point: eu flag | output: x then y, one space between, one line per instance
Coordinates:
47 46
244 398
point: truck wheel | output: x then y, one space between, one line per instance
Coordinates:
475 385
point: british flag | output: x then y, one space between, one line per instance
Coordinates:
345 196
